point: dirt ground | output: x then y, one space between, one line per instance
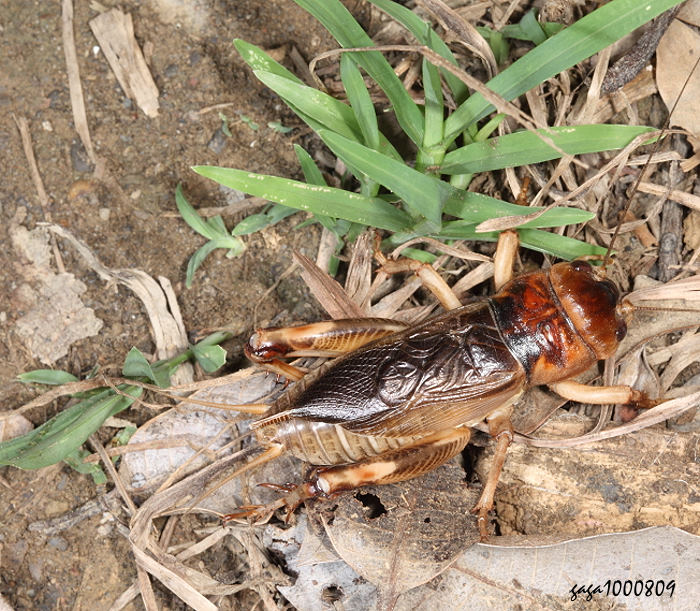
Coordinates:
128 222
128 219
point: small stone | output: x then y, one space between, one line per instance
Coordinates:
79 158
59 543
217 143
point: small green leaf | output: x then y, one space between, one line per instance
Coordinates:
94 469
224 124
256 222
278 127
136 366
532 29
210 358
192 218
249 122
124 435
53 377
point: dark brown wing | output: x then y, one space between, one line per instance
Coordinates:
448 371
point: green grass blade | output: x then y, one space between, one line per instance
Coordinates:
343 27
360 101
205 250
428 37
64 433
322 108
258 60
572 45
523 147
434 107
257 222
336 112
312 174
190 215
553 244
423 195
328 201
477 208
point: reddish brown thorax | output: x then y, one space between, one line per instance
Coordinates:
560 322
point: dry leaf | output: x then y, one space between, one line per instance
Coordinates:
321 581
510 578
690 12
691 230
190 435
676 57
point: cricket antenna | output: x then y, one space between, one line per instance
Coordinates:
608 254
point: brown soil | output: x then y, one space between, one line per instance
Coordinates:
128 222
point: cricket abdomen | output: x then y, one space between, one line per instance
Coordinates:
322 443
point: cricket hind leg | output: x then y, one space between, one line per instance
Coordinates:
397 465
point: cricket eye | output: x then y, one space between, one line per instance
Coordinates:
579 265
610 291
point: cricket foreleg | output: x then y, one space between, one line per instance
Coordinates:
332 338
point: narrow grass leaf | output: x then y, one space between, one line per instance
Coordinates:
345 29
205 250
190 216
66 431
372 211
553 244
322 108
434 108
572 45
257 222
312 174
423 195
476 208
524 147
257 59
360 100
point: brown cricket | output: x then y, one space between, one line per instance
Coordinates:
400 400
